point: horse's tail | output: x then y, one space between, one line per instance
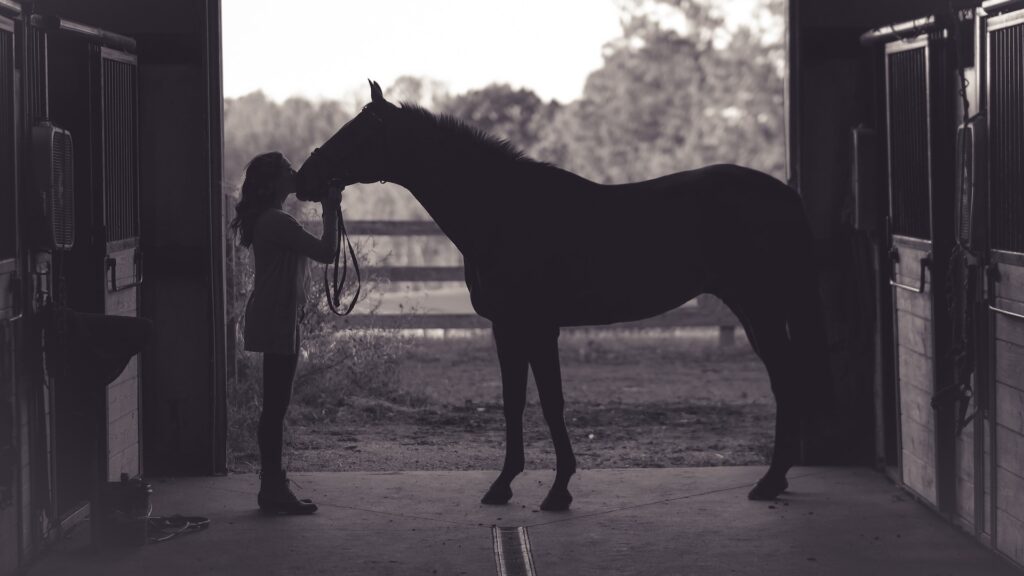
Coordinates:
805 318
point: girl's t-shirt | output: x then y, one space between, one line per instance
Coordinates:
281 249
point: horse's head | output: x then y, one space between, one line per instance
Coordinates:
354 154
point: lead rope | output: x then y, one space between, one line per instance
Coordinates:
334 290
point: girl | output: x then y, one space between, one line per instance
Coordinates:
281 247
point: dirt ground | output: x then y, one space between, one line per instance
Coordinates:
639 401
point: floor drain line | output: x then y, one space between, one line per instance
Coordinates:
512 553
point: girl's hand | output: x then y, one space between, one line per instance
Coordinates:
333 197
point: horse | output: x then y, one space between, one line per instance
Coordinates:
545 248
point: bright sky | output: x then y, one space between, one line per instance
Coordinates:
328 48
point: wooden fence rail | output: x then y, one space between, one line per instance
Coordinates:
708 311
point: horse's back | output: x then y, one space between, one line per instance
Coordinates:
726 189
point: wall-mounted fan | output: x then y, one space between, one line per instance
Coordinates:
54 173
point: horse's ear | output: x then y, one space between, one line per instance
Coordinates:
376 94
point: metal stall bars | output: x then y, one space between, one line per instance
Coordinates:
120 170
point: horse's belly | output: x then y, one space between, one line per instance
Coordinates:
620 295
573 296
596 314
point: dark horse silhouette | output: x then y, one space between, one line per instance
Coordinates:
545 248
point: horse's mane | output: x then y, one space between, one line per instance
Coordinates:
455 134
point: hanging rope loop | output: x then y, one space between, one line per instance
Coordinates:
334 289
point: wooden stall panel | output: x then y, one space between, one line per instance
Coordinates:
1010 495
965 486
916 376
123 446
916 372
123 399
1009 390
122 271
1010 407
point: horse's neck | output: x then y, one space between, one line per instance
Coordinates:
468 199
452 206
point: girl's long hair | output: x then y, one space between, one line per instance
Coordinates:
257 193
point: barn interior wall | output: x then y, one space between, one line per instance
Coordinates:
836 82
179 118
833 84
178 44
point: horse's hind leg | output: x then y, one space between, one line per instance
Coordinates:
547 373
512 356
772 343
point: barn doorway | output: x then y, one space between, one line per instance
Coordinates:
411 382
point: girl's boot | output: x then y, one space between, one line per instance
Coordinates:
276 496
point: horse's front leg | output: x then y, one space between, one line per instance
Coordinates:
547 373
512 358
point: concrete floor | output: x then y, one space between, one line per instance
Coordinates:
835 521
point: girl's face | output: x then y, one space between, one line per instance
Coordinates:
286 183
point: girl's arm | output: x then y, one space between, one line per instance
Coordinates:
285 230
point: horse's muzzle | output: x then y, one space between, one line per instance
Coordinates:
307 190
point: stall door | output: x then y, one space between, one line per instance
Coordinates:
1005 112
119 181
919 241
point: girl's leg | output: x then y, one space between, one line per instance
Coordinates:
275 495
278 373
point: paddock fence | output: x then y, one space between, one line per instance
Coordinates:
706 311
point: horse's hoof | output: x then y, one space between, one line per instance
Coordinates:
497 495
556 501
768 489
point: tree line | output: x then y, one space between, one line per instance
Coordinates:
666 99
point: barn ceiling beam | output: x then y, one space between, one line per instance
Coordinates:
90 33
10 8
